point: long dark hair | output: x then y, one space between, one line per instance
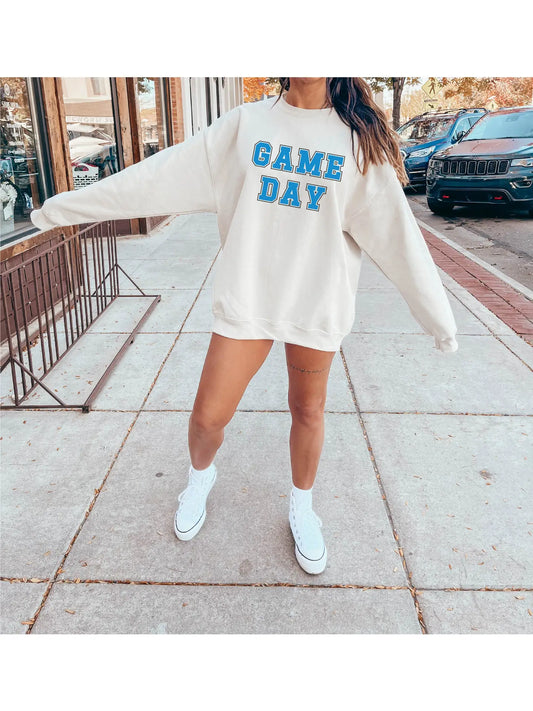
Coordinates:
351 98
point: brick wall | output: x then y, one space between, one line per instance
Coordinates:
178 130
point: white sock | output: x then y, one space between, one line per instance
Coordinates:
202 471
303 498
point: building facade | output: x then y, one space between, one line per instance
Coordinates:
60 134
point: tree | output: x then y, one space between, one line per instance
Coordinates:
396 85
477 91
412 105
377 84
257 87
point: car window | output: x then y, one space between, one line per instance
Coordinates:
425 129
462 125
518 124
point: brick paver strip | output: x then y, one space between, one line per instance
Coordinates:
509 305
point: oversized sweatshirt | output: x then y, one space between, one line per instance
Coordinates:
294 214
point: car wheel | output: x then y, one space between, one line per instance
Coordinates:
438 208
531 212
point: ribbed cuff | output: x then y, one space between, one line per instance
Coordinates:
40 220
447 345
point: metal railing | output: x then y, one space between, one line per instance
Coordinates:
50 299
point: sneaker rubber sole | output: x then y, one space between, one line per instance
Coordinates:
314 567
191 532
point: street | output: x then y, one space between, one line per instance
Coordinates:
504 240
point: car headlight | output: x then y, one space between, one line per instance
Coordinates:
435 165
523 162
422 152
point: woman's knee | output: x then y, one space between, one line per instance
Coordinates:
307 411
208 421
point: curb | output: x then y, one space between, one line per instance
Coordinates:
509 301
528 293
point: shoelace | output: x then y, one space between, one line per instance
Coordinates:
195 487
311 515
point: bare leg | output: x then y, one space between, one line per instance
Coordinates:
229 366
308 370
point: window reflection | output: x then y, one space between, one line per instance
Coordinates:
91 128
21 185
151 115
425 129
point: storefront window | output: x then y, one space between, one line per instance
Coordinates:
21 178
152 118
91 128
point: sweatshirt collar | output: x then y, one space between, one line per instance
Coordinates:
284 105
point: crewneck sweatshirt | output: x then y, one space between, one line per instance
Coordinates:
294 214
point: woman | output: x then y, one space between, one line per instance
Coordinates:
301 184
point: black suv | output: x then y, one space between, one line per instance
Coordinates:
491 165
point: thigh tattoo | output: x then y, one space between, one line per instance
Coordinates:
305 370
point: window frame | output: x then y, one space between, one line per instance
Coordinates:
42 154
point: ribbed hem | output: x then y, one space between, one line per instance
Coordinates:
281 331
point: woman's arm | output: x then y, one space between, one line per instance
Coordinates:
388 232
174 180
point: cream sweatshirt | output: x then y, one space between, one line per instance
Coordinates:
294 214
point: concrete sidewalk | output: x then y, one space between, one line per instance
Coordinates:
424 485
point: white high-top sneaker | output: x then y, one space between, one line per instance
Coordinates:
190 516
310 549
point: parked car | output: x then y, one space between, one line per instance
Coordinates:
93 147
422 135
491 165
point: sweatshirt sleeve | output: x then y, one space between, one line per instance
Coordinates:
386 229
177 179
